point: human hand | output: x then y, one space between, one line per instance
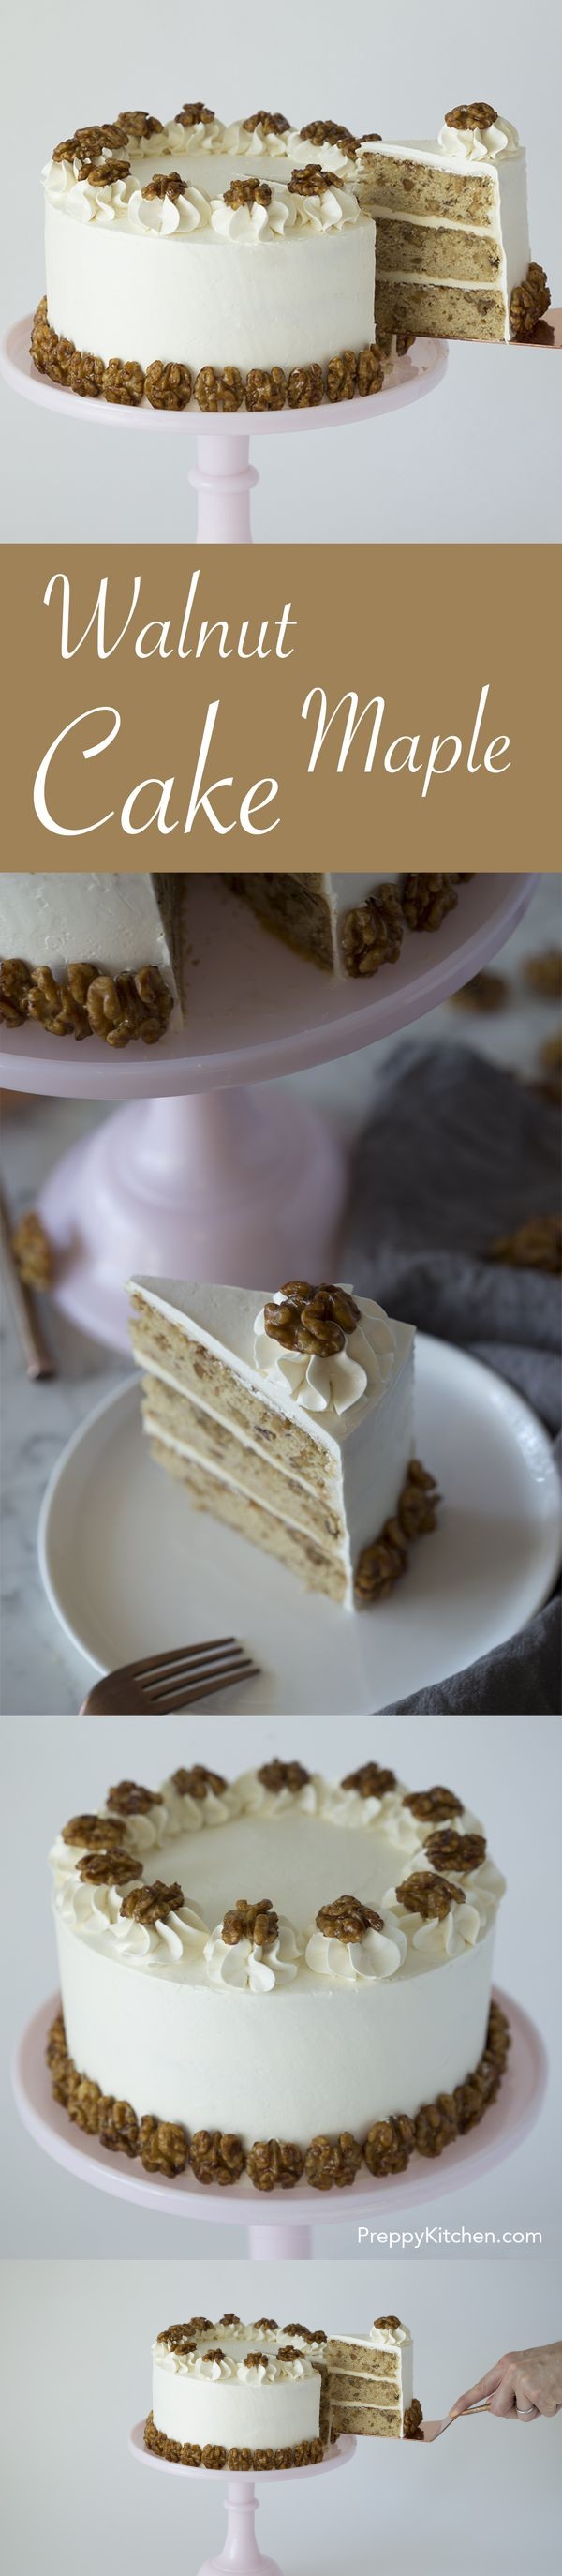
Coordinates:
522 2385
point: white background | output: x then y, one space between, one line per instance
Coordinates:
474 462
77 2371
507 1771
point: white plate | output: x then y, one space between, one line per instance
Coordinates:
129 1566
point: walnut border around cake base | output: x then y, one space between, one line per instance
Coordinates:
169 385
164 2146
189 2455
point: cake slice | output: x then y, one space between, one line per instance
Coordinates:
291 1418
370 2383
92 955
453 253
351 923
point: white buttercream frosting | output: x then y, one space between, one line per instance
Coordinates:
331 1384
446 1938
329 211
93 1909
348 1962
169 215
499 141
242 1963
256 222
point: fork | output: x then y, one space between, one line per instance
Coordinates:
177 1679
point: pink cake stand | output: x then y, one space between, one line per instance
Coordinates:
275 2231
222 476
241 2551
201 1175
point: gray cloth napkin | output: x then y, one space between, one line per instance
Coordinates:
456 1152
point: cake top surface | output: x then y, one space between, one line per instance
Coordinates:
195 176
150 1879
290 1344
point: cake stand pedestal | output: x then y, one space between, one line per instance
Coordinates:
222 476
200 1175
241 2552
272 2232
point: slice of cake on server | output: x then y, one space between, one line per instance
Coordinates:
371 2385
453 251
291 1417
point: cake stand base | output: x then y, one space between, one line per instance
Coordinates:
241 2502
235 1186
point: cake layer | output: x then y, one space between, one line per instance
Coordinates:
200 1436
436 250
318 1569
443 312
196 1371
365 2420
365 2389
415 180
348 2360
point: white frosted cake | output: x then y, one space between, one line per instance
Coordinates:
290 1417
109 956
229 263
453 251
265 2396
296 2036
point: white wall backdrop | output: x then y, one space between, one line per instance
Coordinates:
475 462
77 2373
509 1773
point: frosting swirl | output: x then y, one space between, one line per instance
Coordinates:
242 1963
378 1954
323 1385
480 143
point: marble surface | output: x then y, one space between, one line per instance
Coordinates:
40 1673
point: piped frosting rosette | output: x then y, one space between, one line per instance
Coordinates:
248 1963
378 1953
328 1384
436 1936
495 142
180 1931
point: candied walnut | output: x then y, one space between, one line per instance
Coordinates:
84 2103
198 1782
153 1902
305 388
413 2420
341 375
268 2324
256 1923
50 354
253 2360
247 192
240 2460
123 382
389 2145
213 2456
231 2318
404 342
128 1798
312 181
432 1806
199 2325
543 974
387 2325
274 2166
316 2450
371 1780
163 2146
107 1867
311 1319
459 1852
96 138
134 121
166 183
85 374
215 2353
426 900
101 174
119 2127
417 1508
32 1251
372 933
308 2333
332 2162
484 992
347 1919
370 371
284 2459
123 1007
179 2339
283 1775
216 2156
380 1564
536 1245
168 387
96 1833
56 2045
288 2352
429 1896
54 1006
191 2455
323 130
266 389
436 2125
223 392
264 2460
15 979
479 114
529 303
270 124
194 113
